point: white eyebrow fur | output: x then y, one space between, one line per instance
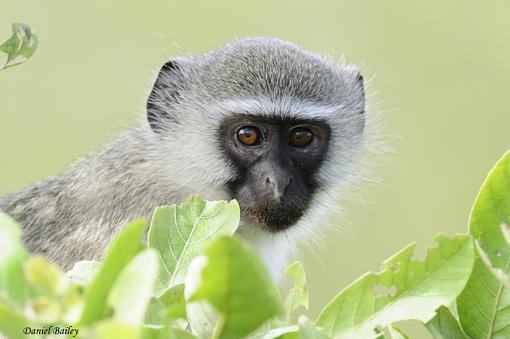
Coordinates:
285 107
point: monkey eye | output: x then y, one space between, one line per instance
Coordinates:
249 135
300 136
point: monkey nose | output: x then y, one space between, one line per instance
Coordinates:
277 185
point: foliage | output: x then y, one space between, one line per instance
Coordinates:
180 232
194 279
19 47
445 326
13 283
224 282
298 293
484 305
229 284
404 289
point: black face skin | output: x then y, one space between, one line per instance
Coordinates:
276 169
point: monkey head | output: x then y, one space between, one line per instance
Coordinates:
262 121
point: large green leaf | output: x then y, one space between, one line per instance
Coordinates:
484 305
132 291
236 283
408 289
13 284
19 47
127 244
179 233
444 325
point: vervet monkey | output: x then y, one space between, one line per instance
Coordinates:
259 120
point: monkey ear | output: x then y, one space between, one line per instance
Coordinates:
165 95
360 86
356 92
360 82
355 82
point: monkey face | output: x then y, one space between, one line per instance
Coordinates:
283 121
276 161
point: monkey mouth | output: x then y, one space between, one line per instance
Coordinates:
274 218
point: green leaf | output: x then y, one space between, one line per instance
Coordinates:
404 289
114 330
130 295
179 233
202 316
236 283
13 285
379 333
498 273
177 333
72 304
155 314
396 333
173 300
43 310
444 325
83 272
169 306
289 332
46 278
307 329
19 47
298 293
505 230
127 244
167 333
484 305
13 322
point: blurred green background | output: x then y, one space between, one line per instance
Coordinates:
441 71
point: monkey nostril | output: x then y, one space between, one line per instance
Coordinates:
278 186
285 188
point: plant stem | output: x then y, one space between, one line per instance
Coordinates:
219 327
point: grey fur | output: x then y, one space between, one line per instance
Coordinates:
75 215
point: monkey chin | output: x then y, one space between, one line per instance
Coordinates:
274 219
